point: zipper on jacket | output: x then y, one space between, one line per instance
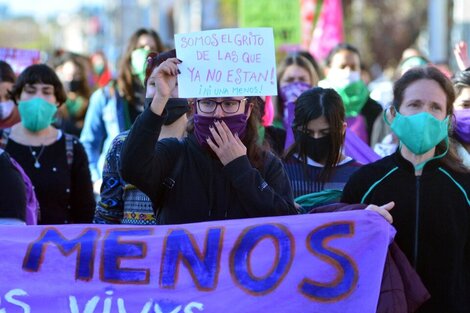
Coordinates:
417 214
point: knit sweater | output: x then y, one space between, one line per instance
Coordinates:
304 178
120 202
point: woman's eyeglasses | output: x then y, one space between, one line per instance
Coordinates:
229 106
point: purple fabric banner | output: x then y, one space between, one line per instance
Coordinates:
357 149
330 262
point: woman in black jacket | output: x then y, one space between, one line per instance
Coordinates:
430 188
222 171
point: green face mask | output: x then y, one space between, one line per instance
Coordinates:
74 106
36 114
354 97
98 68
138 60
419 132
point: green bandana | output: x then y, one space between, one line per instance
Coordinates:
74 106
138 61
354 97
315 199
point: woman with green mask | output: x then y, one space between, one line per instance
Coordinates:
113 109
55 161
429 186
343 74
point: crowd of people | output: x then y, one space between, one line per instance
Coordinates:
126 149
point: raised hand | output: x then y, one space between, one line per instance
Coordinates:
227 146
461 55
164 77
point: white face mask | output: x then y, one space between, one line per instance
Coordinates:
6 108
341 78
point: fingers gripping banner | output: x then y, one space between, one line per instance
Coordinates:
310 263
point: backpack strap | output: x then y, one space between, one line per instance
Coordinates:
69 149
167 184
4 138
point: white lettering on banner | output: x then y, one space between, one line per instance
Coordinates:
9 298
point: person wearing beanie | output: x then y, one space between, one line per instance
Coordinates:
123 203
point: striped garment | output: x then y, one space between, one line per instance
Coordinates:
302 178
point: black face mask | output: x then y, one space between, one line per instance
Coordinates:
315 148
72 85
175 108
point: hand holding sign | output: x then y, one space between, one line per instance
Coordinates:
227 62
164 77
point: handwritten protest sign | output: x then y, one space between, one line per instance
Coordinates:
310 263
227 62
19 59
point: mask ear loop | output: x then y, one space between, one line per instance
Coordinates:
390 124
420 166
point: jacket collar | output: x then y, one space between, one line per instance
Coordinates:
409 167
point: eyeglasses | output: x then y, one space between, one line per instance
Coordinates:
229 106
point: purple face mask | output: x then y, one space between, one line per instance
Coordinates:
462 125
290 93
236 124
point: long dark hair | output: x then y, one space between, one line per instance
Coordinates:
6 73
39 73
341 47
451 159
79 62
461 80
310 105
125 79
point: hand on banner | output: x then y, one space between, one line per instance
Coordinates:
383 210
461 55
165 78
227 146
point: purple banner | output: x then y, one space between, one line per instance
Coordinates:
19 59
330 262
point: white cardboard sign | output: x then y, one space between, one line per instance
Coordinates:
226 63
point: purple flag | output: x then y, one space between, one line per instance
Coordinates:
357 149
331 262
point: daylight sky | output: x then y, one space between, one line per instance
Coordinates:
43 8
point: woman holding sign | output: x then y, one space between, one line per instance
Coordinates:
122 203
224 172
430 188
